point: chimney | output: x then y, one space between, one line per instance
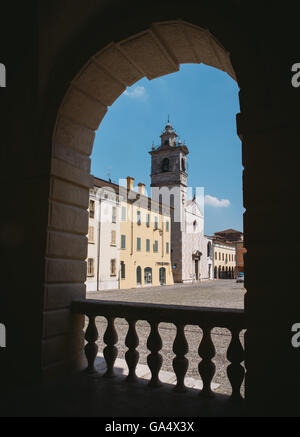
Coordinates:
141 188
130 183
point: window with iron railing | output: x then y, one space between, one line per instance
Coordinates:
90 267
113 267
92 209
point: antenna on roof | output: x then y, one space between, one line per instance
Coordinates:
108 174
168 118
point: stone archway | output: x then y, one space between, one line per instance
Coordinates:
154 52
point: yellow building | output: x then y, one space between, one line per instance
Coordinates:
145 240
224 258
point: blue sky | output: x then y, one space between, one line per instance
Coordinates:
202 103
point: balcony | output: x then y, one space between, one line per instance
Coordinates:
106 391
180 316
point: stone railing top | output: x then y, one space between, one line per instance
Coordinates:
205 316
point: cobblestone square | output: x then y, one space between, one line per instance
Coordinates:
217 294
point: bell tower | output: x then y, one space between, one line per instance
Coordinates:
168 185
168 170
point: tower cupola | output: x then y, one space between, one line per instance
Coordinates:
168 136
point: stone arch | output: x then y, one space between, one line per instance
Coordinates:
156 51
2 335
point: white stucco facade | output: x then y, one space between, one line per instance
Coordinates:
104 247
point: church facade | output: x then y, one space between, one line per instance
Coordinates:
191 253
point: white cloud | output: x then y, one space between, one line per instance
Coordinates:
137 92
214 201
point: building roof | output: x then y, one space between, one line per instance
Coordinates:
98 182
230 235
229 231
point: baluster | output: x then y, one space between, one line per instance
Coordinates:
206 366
154 359
235 371
91 348
132 355
180 362
110 352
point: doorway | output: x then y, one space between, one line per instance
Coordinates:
162 276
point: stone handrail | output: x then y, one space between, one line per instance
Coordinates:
205 318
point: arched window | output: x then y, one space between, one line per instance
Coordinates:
183 164
208 248
195 225
138 275
165 164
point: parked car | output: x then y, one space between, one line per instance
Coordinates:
240 277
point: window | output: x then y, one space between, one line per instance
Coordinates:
156 223
90 267
167 226
114 214
167 247
138 217
91 234
147 245
219 256
138 244
195 225
92 208
208 249
113 238
216 255
148 220
123 241
113 267
155 246
122 270
223 256
123 214
182 164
